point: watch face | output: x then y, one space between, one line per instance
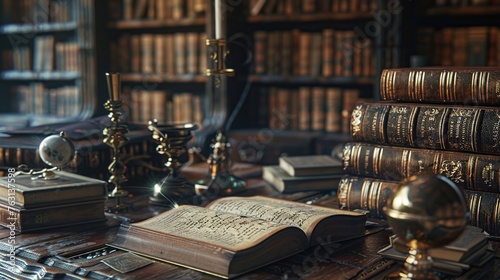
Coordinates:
56 150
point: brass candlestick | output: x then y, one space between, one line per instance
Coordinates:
222 181
217 49
116 139
172 140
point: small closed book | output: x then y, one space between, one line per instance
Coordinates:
285 183
311 165
235 235
23 192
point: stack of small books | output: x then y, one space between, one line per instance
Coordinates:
304 173
438 120
470 254
30 203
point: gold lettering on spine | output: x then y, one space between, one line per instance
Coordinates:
453 170
495 130
488 175
344 190
346 157
356 116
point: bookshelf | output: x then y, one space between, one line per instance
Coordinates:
159 49
48 69
312 61
458 34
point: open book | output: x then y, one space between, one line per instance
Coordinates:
235 235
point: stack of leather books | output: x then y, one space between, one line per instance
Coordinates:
31 202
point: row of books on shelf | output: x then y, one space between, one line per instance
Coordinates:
44 56
309 108
460 46
465 3
37 99
429 133
173 54
144 105
162 9
92 156
38 11
326 53
291 7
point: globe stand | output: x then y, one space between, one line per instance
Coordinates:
426 211
56 151
172 140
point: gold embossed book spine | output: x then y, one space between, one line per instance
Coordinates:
471 171
458 85
445 127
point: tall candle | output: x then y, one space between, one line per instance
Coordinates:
218 19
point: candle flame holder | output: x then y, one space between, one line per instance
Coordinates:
222 181
115 138
218 53
171 140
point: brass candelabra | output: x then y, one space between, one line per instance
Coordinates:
115 138
171 140
221 181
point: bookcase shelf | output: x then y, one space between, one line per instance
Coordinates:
162 78
150 24
38 28
158 47
48 71
299 80
453 35
308 70
313 17
466 11
40 76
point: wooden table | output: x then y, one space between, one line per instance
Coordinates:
76 252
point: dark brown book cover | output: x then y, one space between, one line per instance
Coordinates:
447 127
27 192
461 85
471 171
25 220
484 210
366 194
